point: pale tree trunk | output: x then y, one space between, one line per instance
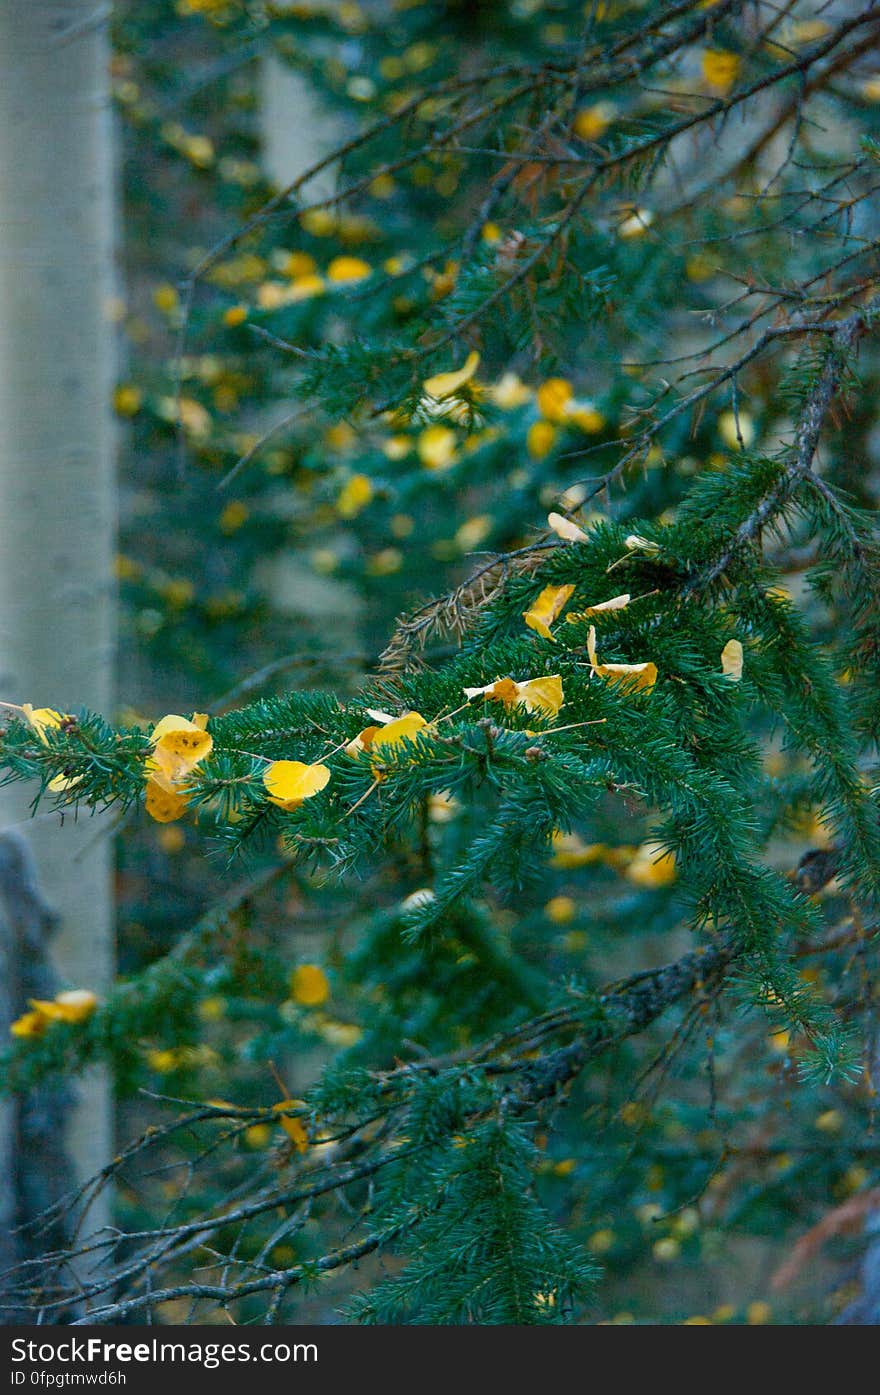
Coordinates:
297 129
56 452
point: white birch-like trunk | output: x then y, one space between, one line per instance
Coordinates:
297 129
57 501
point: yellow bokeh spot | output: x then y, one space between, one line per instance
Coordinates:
309 985
540 439
552 398
354 496
343 269
561 909
720 68
436 447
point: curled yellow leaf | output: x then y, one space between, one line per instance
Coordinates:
73 1005
536 694
30 1024
616 603
542 613
294 1127
732 660
446 384
44 719
178 747
163 804
629 675
565 529
635 543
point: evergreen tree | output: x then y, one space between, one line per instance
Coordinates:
593 846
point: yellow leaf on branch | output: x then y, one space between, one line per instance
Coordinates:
565 529
629 675
536 694
446 384
542 613
289 782
43 719
615 603
732 660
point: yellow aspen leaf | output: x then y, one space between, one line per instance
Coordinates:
290 782
294 1128
362 741
565 529
166 299
501 689
399 729
635 543
542 694
445 384
652 866
385 562
30 1024
546 608
164 805
354 496
43 719
163 1060
536 694
553 397
234 315
732 660
628 675
178 747
72 1005
396 447
309 985
75 1004
615 603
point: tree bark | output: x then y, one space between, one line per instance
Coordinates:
57 501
